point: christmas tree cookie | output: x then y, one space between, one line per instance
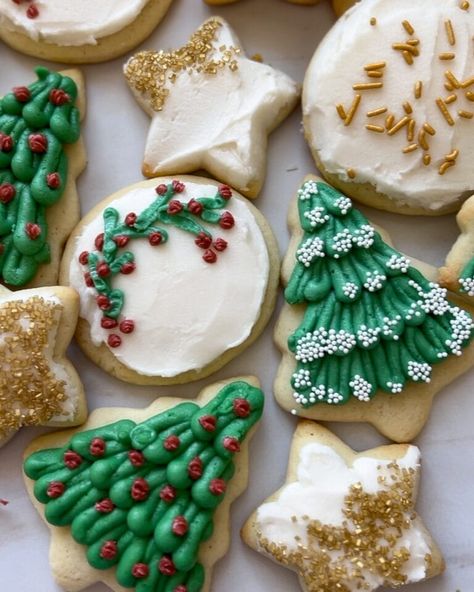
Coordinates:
38 384
175 277
41 154
140 498
345 520
212 108
364 335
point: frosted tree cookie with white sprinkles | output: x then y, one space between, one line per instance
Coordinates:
345 520
175 277
78 32
212 108
364 335
388 105
38 385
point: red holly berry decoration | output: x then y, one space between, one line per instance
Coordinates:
161 189
127 326
225 191
114 340
84 257
203 240
128 267
105 506
140 570
108 323
121 240
241 408
32 11
226 221
155 238
171 443
130 219
108 550
231 444
180 526
168 493
103 270
140 489
55 489
166 566
209 256
58 97
220 244
195 468
181 588
22 94
99 241
208 422
38 143
53 180
217 486
178 187
97 447
195 207
136 458
7 192
88 280
72 460
103 302
175 207
6 143
32 230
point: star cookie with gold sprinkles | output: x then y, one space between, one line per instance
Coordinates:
212 108
38 385
346 521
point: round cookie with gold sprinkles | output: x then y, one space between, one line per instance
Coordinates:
388 105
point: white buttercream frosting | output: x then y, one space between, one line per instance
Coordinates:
70 22
322 482
187 312
378 158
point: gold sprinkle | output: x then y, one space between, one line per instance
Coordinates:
373 21
411 130
406 47
450 32
375 74
418 89
257 57
375 66
352 109
447 56
351 173
389 121
467 82
375 128
398 126
470 96
448 86
367 85
465 114
452 155
410 148
341 111
451 99
376 112
429 129
413 41
464 5
445 166
426 159
408 28
422 140
407 108
407 57
444 111
452 79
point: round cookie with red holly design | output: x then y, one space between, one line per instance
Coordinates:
175 277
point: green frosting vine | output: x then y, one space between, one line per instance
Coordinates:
35 122
141 497
371 320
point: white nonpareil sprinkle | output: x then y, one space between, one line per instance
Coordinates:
399 262
321 342
350 290
374 281
395 387
310 250
309 189
342 242
316 217
367 337
467 285
344 204
364 236
361 388
419 371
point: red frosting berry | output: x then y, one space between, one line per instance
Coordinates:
7 192
103 270
58 97
203 240
38 143
171 443
32 230
209 256
108 323
127 326
136 458
127 267
195 468
71 459
114 340
121 240
88 280
217 486
97 447
32 11
174 207
84 257
155 238
130 219
55 489
225 191
140 489
22 94
105 506
181 588
195 207
99 241
140 570
241 407
178 187
168 493
161 189
6 143
226 221
103 302
108 550
180 526
53 180
220 244
231 444
208 422
166 566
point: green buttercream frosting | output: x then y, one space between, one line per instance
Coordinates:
32 179
371 321
141 497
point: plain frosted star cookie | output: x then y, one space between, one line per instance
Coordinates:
175 276
345 520
38 384
41 155
388 112
364 335
212 108
78 32
141 498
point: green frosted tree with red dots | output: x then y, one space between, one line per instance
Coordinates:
141 497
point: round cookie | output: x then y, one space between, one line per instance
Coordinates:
388 105
184 279
78 32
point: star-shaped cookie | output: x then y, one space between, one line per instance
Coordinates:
212 108
344 520
38 385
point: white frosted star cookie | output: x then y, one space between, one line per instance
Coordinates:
78 32
365 335
389 112
345 520
38 384
212 108
175 277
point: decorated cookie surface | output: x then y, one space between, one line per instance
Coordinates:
346 521
211 107
145 499
361 322
172 276
388 104
38 385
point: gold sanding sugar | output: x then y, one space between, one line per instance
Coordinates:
151 72
335 558
30 393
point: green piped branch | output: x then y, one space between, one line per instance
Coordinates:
35 123
141 497
111 258
372 321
